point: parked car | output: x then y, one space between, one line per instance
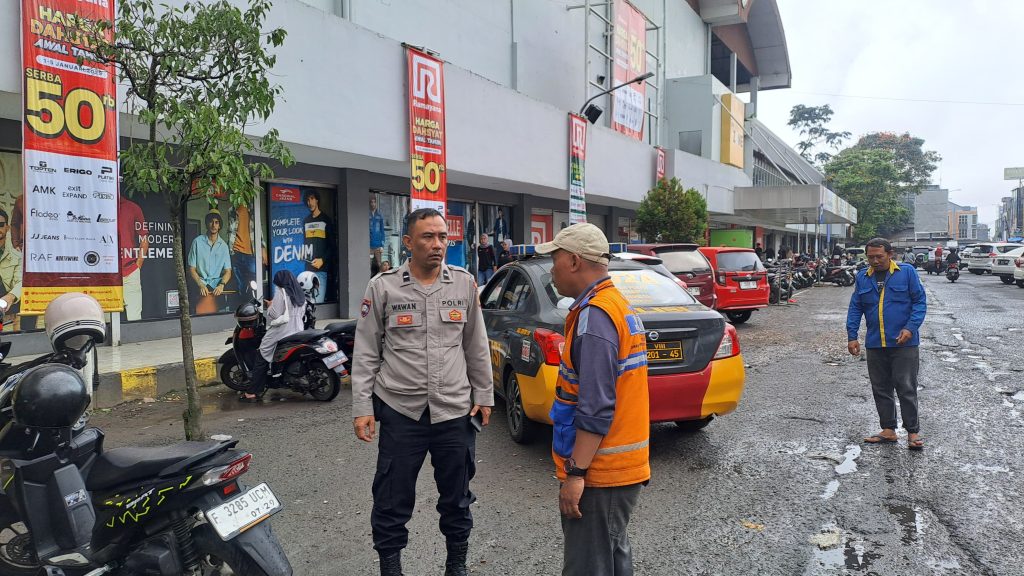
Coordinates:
856 253
1018 271
980 261
741 281
965 253
695 369
1003 265
688 264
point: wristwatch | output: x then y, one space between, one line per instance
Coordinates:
572 470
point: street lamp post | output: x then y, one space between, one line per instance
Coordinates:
592 113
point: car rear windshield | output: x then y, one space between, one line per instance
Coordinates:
683 261
640 287
1005 249
739 262
983 249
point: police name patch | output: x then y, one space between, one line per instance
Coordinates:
404 319
636 326
364 310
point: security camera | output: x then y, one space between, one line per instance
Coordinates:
600 78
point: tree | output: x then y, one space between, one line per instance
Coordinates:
669 214
869 180
196 77
811 122
914 164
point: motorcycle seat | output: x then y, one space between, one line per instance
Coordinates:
344 326
304 336
123 465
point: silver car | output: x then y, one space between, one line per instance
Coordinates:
980 261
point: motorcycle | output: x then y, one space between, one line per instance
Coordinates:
952 272
74 508
308 361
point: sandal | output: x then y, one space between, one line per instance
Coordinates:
916 444
879 439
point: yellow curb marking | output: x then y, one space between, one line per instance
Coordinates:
139 383
206 370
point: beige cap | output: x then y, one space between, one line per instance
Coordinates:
585 240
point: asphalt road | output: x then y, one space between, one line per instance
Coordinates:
781 486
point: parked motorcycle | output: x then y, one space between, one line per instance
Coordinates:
953 272
308 361
70 507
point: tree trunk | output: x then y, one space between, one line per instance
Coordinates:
193 414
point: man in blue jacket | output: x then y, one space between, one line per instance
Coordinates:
892 301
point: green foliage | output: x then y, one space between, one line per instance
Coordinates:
914 163
197 75
670 214
812 123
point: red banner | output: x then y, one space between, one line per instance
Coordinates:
70 156
577 169
426 131
455 228
630 61
659 165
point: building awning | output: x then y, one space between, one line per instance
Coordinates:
807 204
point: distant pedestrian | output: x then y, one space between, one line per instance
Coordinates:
505 254
783 252
484 260
759 251
422 367
601 412
769 254
892 301
385 266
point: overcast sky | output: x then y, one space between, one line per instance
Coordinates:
887 51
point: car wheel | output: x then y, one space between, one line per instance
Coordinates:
520 427
1020 283
693 425
739 317
1006 280
977 272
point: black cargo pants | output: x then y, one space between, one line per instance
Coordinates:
404 443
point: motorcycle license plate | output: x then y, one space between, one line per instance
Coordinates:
664 351
694 290
236 516
748 285
335 360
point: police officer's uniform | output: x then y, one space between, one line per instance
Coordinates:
421 361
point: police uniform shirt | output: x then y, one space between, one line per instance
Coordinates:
418 346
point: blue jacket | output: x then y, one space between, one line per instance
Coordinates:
900 304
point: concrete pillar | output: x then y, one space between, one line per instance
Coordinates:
521 219
353 242
732 72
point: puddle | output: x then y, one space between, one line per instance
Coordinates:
835 551
951 359
910 519
994 338
959 337
1019 396
830 490
849 463
983 468
223 400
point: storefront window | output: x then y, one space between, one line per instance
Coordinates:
387 218
459 251
218 253
626 231
303 236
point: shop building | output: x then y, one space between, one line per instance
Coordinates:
513 72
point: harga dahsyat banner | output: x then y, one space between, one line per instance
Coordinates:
426 131
630 61
577 157
70 156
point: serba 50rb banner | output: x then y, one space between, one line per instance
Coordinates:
69 154
426 131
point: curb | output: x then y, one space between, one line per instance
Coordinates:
150 381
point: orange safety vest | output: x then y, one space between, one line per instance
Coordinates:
623 457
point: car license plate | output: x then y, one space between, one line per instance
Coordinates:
236 516
694 290
1004 262
335 359
750 285
664 351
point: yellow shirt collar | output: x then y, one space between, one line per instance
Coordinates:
893 268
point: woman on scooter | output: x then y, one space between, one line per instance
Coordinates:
284 318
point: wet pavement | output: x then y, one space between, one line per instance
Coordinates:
782 486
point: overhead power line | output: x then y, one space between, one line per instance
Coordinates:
919 100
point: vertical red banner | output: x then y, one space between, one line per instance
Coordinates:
659 165
630 61
426 131
577 169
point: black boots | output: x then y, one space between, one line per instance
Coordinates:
455 565
391 564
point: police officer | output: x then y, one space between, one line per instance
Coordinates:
421 367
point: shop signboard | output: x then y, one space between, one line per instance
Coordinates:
659 166
69 155
426 131
630 61
577 158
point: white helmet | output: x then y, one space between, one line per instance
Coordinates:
309 282
72 320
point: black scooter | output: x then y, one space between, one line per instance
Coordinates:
70 508
308 361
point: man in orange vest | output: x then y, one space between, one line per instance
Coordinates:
601 412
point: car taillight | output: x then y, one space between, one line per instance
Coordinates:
720 278
992 254
680 283
730 345
246 333
225 473
551 345
1019 262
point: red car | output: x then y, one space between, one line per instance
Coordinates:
740 280
688 264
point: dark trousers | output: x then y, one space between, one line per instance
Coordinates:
895 369
258 380
404 443
597 543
